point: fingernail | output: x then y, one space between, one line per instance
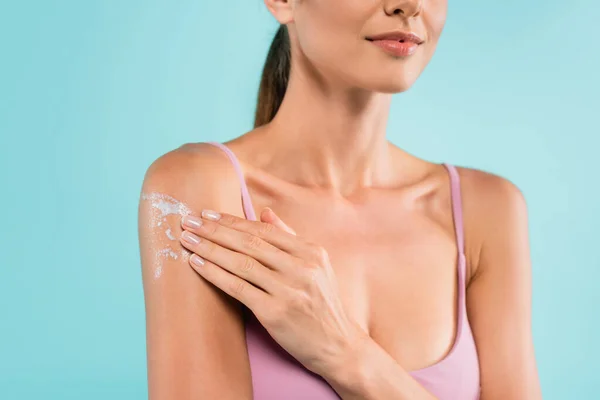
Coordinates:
190 237
197 260
191 221
210 214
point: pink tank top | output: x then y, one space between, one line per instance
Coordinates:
276 375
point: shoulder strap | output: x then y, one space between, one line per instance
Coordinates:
456 207
457 214
246 202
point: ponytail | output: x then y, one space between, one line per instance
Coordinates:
275 76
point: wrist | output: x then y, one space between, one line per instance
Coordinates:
348 373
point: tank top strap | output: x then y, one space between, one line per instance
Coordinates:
457 215
457 211
246 201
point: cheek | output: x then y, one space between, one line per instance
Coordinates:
434 18
329 30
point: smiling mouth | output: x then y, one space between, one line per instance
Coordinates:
396 47
397 40
397 36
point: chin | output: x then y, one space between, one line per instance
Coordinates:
384 78
390 87
391 84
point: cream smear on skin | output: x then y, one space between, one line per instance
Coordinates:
164 205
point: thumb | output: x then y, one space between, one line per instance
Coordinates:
268 215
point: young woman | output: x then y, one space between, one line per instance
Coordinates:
368 273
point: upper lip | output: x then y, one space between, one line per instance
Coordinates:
398 35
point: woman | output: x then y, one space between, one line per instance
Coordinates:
370 273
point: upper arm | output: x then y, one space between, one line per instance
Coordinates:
195 339
499 294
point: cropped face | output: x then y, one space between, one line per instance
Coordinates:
339 38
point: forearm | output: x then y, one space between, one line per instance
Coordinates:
368 372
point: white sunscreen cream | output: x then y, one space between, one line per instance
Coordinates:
164 205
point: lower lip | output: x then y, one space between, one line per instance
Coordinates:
395 47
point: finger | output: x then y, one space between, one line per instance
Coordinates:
243 242
268 215
287 242
251 296
241 265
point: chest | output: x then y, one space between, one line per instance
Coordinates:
396 269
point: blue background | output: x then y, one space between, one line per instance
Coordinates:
91 92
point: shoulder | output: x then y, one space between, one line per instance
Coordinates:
489 191
185 165
181 308
494 212
499 293
192 172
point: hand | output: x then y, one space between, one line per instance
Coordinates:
286 281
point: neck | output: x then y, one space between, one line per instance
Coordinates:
329 136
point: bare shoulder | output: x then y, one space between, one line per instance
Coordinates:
489 190
195 338
499 295
191 169
493 207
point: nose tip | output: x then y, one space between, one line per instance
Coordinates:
408 8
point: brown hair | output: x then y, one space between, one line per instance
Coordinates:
275 76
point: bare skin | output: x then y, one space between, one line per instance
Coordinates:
325 167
